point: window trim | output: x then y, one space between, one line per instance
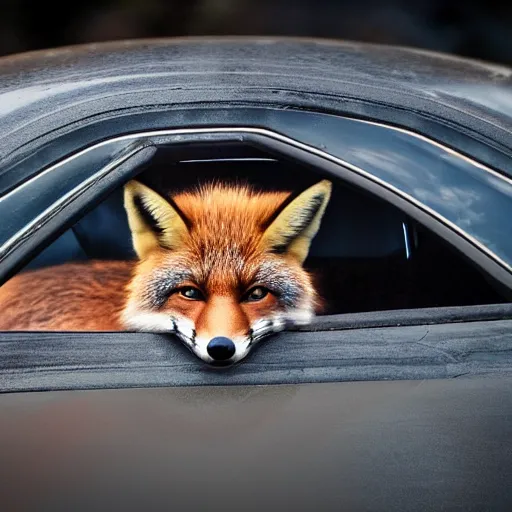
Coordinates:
437 343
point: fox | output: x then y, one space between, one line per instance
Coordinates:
220 266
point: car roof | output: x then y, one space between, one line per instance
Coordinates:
50 91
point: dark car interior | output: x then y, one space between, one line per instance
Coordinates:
367 256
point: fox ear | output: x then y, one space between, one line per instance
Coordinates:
153 221
292 231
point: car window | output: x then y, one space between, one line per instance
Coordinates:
367 256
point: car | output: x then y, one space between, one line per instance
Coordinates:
397 398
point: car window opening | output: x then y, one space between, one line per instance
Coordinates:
367 255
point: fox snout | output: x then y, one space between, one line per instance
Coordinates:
218 351
224 349
218 347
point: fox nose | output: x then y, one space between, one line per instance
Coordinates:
220 348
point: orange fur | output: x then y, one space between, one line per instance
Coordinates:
74 296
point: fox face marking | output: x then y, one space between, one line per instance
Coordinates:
221 267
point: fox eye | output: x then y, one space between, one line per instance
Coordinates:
191 293
256 293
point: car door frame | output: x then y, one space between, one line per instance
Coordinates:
108 168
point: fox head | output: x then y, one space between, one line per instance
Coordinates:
221 266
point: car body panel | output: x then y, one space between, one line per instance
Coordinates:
367 446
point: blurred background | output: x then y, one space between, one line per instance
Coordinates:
480 28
